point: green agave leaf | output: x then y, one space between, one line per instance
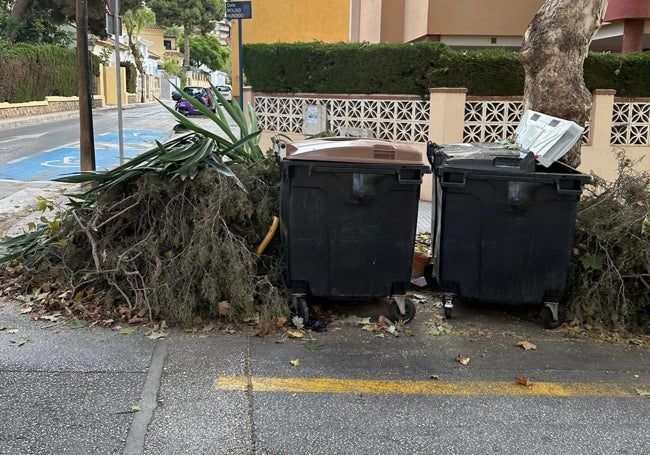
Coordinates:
206 147
235 153
225 170
233 110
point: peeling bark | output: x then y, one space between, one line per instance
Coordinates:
555 46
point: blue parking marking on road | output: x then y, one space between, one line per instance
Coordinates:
132 137
65 160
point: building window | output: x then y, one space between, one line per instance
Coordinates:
168 45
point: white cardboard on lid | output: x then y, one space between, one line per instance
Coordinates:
549 138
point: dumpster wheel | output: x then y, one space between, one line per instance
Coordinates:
395 314
448 305
553 315
300 308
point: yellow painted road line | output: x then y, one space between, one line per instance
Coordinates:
463 388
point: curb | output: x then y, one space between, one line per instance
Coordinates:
18 122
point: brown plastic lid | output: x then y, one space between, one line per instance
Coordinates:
350 150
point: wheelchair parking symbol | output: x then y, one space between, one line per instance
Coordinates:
66 162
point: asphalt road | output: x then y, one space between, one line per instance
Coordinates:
350 390
347 391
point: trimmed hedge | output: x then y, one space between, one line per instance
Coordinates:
341 67
413 68
131 76
30 73
483 73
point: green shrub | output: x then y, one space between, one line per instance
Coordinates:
341 68
131 77
413 68
30 73
483 73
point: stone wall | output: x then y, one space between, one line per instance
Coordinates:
49 106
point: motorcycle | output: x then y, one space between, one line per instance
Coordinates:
185 107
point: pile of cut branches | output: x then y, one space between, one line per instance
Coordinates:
170 235
609 275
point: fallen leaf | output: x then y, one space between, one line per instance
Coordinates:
208 328
51 318
20 341
643 393
295 362
523 381
123 309
384 321
298 322
223 306
526 345
312 345
26 310
77 324
12 331
280 322
435 377
135 408
198 320
462 360
295 334
126 330
163 325
156 334
2 327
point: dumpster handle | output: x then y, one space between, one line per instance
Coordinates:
446 179
408 181
572 190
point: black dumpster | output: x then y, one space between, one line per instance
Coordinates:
502 226
348 216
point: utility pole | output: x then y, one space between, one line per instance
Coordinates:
86 135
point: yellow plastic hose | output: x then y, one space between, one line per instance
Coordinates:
269 235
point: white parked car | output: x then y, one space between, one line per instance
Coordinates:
226 91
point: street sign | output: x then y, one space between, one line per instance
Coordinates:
110 24
238 10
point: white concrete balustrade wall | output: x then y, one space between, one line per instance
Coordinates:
450 116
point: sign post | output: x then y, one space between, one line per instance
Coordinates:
239 11
113 11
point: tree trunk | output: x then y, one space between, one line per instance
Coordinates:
553 52
17 13
86 135
186 47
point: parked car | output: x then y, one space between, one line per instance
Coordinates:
204 94
226 91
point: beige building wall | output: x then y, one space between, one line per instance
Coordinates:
370 20
433 19
154 34
481 17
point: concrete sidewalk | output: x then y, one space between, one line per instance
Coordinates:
98 391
